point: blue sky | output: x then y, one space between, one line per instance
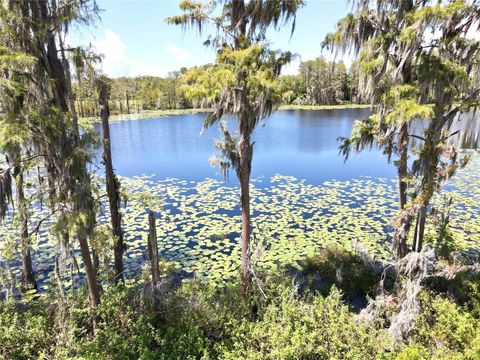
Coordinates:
135 40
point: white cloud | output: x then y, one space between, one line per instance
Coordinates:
116 62
113 50
473 33
137 68
436 33
347 58
181 55
292 67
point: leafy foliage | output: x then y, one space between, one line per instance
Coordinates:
198 321
337 266
403 68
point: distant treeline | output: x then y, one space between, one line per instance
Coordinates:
131 95
319 82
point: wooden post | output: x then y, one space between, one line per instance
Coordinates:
153 247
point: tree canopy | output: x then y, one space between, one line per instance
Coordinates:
415 62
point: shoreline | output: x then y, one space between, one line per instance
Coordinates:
324 107
150 114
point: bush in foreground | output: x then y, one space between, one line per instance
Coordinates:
198 321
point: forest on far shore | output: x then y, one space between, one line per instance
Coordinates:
318 82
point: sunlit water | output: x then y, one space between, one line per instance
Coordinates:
304 195
298 143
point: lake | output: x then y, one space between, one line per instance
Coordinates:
298 143
304 196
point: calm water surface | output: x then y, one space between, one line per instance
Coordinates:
303 144
300 143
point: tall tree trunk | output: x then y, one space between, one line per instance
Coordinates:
68 84
405 217
420 230
431 158
153 247
61 96
93 291
28 275
244 178
403 225
112 188
68 179
80 108
238 22
95 259
414 244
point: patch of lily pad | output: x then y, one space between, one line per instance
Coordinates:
198 224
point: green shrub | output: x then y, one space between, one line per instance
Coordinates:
198 321
447 330
25 335
464 288
125 329
413 352
313 328
342 268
